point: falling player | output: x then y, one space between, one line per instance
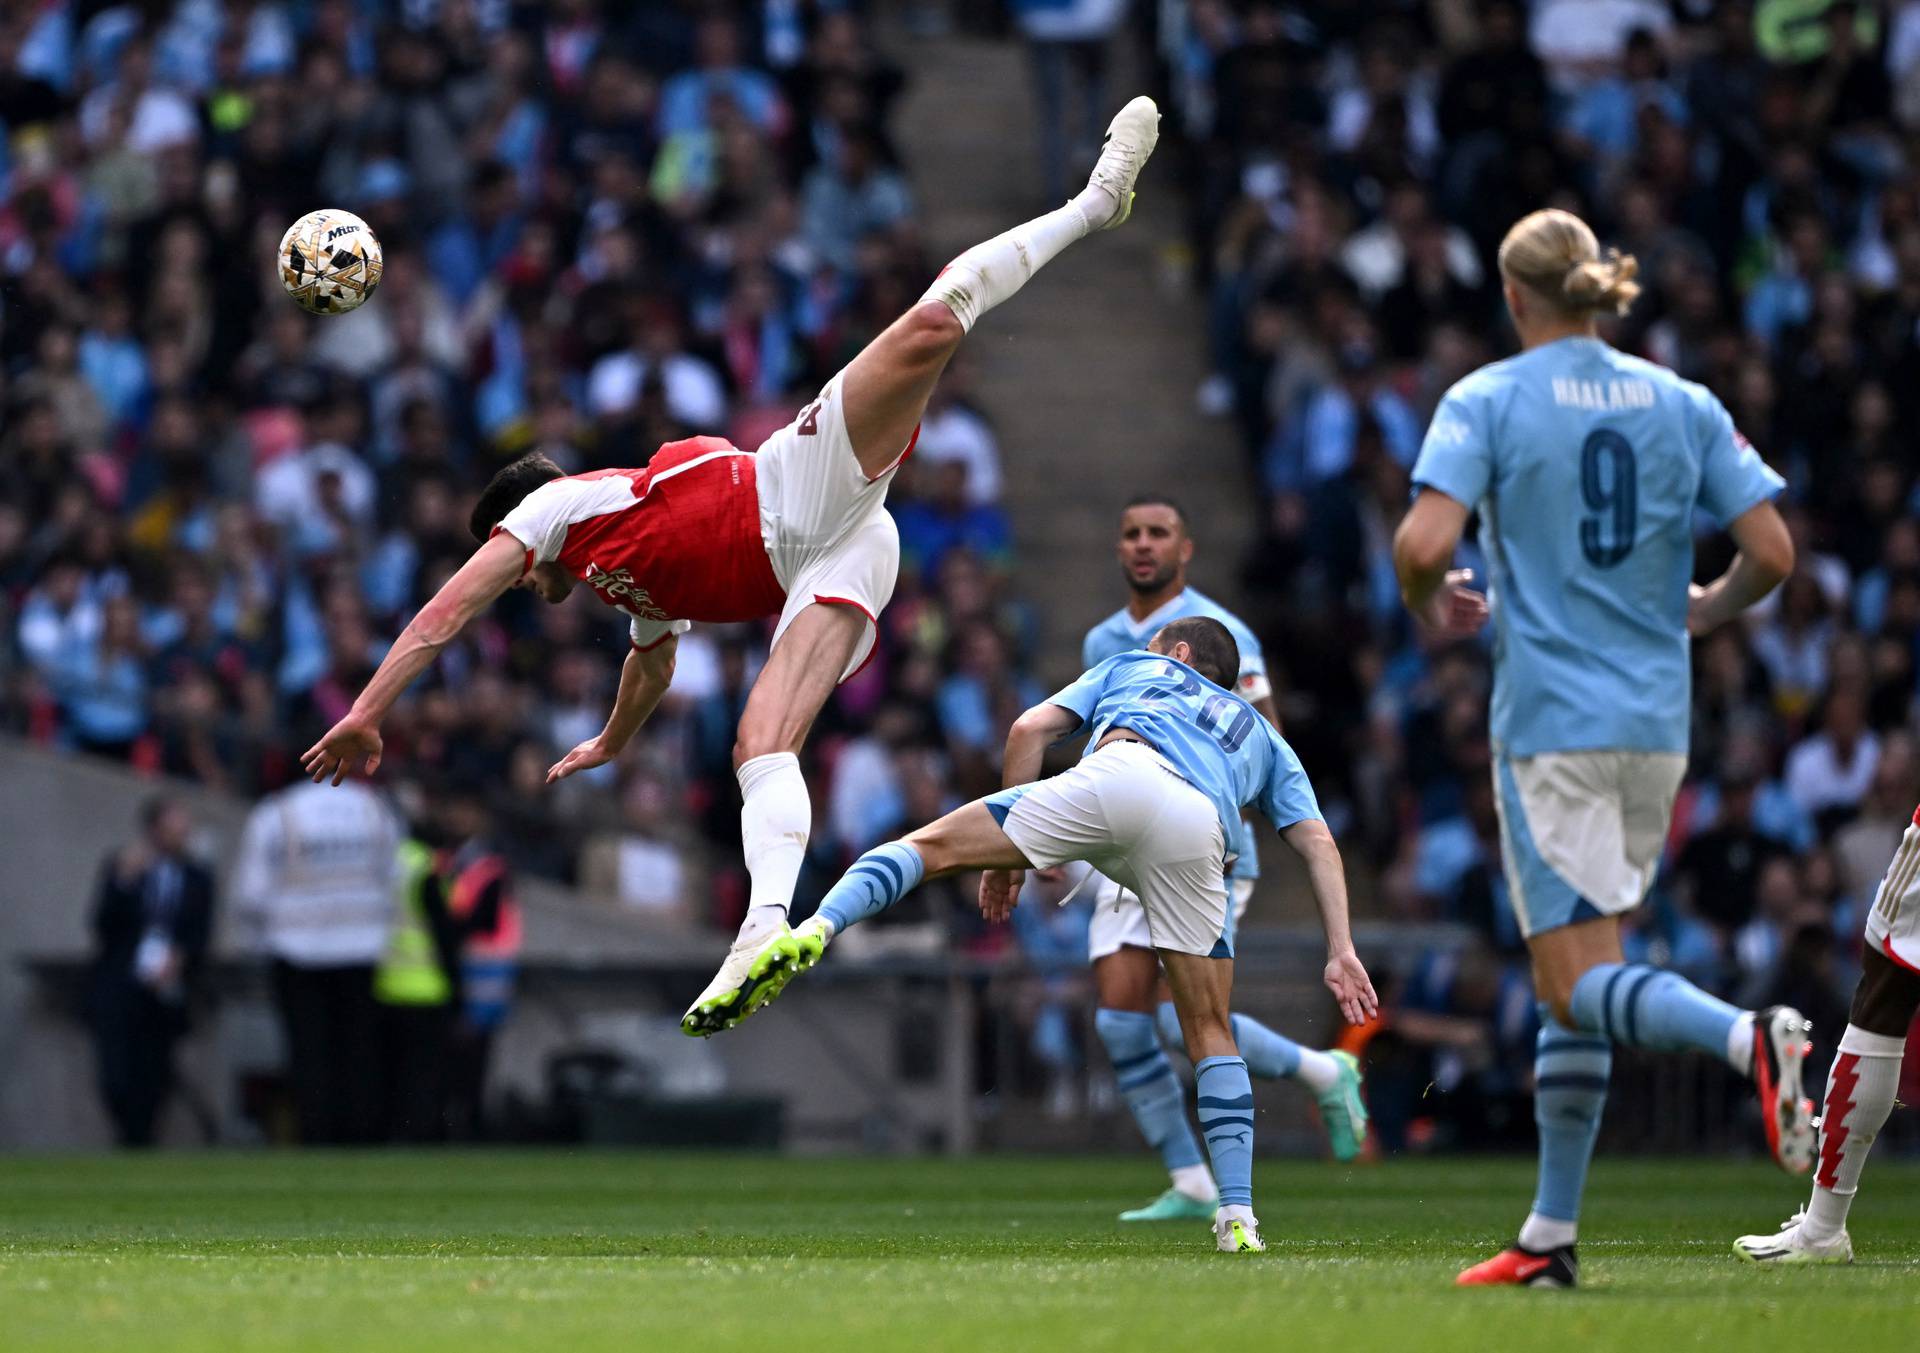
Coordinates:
1587 467
1172 757
707 532
1155 548
1865 1072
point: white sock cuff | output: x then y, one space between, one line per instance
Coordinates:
1863 1044
762 769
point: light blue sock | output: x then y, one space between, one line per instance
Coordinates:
1153 1093
1569 1091
1226 1118
1269 1055
1636 1006
875 882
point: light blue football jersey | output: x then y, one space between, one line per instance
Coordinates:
1121 633
1587 466
1217 741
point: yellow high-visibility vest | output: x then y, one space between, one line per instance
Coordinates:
410 971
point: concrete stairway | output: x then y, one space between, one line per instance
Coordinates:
1089 374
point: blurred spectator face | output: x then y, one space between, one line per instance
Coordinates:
1777 894
1846 715
120 627
1154 547
717 45
169 827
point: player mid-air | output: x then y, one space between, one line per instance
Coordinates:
1865 1074
1172 757
1587 467
706 532
1155 548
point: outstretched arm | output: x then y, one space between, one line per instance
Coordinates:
644 678
493 568
1763 563
1027 742
1422 549
1345 976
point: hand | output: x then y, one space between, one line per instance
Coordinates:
346 745
1000 892
1456 608
1702 616
1347 979
593 752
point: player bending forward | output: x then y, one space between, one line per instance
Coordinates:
1587 467
1865 1072
710 533
1133 1016
1172 758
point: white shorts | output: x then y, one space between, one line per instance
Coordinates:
1893 926
1581 832
827 531
1119 921
1126 811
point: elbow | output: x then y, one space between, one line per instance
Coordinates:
1416 555
1031 727
1776 559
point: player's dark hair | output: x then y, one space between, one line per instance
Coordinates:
505 490
1215 655
1157 500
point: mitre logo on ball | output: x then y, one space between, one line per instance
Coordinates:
329 262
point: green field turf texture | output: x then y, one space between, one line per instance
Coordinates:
588 1251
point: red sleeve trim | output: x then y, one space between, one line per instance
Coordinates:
912 442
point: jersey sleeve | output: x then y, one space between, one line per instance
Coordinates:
1457 456
1083 696
646 634
541 520
1288 797
1733 478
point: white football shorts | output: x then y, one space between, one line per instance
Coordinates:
827 531
1581 832
1129 814
1893 926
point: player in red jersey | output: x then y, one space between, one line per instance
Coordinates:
1864 1080
706 532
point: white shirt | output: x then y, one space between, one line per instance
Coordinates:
315 879
1817 780
959 434
694 393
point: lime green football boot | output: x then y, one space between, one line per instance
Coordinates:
755 971
1344 1110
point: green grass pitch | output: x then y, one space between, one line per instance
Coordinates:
588 1251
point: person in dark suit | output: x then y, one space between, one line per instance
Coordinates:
151 923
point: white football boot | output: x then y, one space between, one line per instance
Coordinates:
1237 1231
1791 1245
1131 137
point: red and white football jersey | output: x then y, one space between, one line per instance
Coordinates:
674 542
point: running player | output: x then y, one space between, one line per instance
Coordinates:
1865 1073
1155 548
1587 467
1172 757
707 532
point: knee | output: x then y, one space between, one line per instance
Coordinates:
931 332
1559 1003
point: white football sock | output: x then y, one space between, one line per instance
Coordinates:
1319 1070
1740 1044
1540 1234
990 272
1860 1092
775 817
1195 1181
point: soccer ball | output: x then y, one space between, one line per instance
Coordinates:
329 262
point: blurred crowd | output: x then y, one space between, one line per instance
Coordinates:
1354 169
605 226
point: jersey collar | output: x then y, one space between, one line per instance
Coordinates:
1141 629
